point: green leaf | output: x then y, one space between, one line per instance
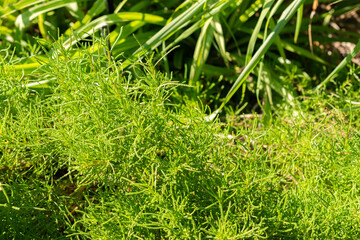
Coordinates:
197 25
301 51
249 13
256 30
18 6
284 18
98 7
201 52
340 66
298 23
96 24
170 28
23 19
219 37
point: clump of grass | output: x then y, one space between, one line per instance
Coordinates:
89 132
102 153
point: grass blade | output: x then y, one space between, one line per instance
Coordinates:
213 12
219 37
302 52
75 10
168 30
341 65
18 6
285 17
249 12
96 9
256 30
96 25
298 22
23 19
201 52
119 7
266 81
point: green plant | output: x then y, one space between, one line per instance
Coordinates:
101 146
209 29
95 153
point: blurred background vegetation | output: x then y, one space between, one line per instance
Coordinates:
205 44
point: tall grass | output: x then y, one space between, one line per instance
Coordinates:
226 30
